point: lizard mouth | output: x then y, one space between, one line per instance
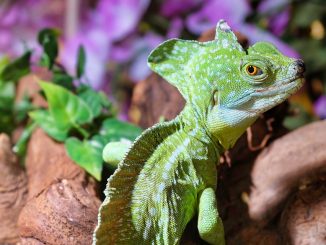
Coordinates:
288 85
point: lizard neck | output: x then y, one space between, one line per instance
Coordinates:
193 121
221 125
223 129
203 151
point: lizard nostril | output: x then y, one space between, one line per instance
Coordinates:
301 66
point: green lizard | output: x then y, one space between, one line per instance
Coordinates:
169 174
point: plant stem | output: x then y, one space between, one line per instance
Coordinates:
82 131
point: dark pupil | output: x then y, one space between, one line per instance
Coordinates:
251 69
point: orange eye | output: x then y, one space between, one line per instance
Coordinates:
253 70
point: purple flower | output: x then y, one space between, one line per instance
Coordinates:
110 21
139 69
21 20
214 10
233 11
97 49
320 107
119 17
135 44
278 14
135 51
175 28
172 8
124 50
256 34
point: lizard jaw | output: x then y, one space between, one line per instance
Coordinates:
289 87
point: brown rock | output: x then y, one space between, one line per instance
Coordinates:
13 192
284 165
47 162
64 213
255 236
304 219
28 86
154 98
63 201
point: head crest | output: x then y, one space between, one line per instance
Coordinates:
225 36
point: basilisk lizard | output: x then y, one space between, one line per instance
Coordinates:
169 174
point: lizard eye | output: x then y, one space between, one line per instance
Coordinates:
253 70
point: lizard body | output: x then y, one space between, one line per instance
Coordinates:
169 174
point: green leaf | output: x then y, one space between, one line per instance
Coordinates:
6 123
63 80
20 147
4 61
106 103
306 13
66 108
22 108
115 130
7 94
86 154
45 33
100 140
81 61
16 69
48 124
48 39
92 99
299 119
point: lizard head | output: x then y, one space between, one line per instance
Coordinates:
259 79
224 85
264 78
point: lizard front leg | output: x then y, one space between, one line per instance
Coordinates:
210 225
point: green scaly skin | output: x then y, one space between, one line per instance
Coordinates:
169 173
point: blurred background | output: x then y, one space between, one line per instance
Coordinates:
119 34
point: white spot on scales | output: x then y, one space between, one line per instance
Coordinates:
176 153
225 43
